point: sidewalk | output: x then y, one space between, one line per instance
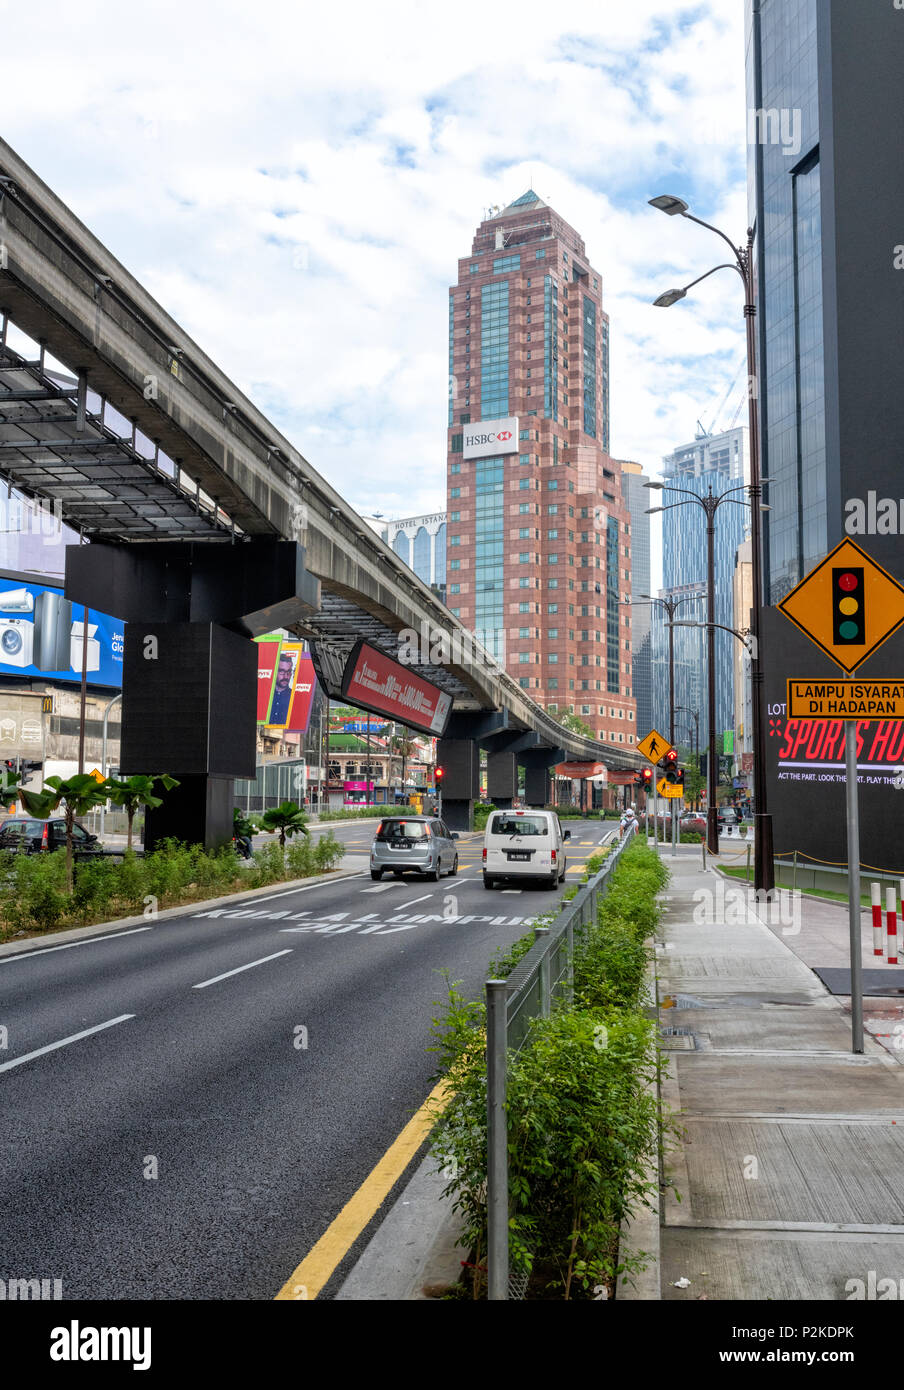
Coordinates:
791 1166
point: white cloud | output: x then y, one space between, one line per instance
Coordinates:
295 184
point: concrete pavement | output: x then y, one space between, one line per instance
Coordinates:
790 1163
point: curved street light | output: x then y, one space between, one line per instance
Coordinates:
672 206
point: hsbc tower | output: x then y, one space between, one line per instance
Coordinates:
539 534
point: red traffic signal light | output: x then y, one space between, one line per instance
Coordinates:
439 773
647 776
671 757
848 609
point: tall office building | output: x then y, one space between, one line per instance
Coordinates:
421 542
539 536
637 498
716 462
826 190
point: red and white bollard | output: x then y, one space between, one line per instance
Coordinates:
891 920
878 937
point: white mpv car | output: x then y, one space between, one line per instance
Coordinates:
524 844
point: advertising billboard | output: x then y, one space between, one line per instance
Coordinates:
805 766
285 684
490 437
377 683
42 634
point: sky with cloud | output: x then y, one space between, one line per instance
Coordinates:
295 183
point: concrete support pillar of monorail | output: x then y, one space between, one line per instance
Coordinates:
460 760
536 786
189 689
502 779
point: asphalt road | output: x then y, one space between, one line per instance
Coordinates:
181 1143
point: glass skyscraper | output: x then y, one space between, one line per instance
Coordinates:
716 462
785 180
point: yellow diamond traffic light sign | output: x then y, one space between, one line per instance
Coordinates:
848 605
654 747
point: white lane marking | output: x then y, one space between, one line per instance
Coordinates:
383 887
250 966
409 902
512 890
64 1042
89 941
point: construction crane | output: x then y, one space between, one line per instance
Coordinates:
705 433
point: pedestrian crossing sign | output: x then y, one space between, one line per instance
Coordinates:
654 747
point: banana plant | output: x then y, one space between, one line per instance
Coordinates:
77 795
132 792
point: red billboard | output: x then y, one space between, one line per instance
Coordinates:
375 682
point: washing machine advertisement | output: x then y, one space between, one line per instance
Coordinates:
43 634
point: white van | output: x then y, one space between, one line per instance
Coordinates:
524 844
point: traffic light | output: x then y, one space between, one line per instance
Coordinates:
647 777
439 773
674 774
848 607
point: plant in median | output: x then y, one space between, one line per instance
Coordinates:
137 791
77 795
287 819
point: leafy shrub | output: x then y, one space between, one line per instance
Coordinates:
582 1111
300 859
38 898
94 887
582 1123
360 812
327 852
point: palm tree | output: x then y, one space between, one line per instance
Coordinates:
287 819
78 795
137 791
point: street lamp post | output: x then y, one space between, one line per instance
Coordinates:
696 717
764 866
671 606
710 505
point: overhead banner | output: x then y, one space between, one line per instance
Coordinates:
577 771
376 682
285 684
42 634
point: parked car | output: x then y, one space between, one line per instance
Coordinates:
727 815
28 835
414 844
524 844
693 822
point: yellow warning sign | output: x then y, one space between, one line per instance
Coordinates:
669 789
848 605
654 747
843 699
97 775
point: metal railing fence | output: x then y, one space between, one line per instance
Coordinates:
541 978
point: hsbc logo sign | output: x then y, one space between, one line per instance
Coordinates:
490 437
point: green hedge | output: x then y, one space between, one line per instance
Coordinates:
582 1112
33 895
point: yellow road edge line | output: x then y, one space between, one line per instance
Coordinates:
318 1265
